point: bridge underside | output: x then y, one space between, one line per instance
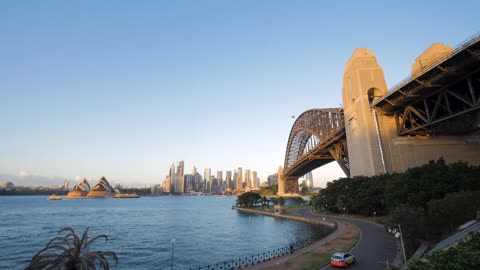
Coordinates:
443 100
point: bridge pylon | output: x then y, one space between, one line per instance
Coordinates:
363 83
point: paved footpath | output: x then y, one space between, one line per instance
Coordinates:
375 247
280 260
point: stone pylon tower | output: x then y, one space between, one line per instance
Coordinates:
281 182
363 83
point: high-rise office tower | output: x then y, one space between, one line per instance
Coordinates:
170 186
239 179
207 182
189 182
248 180
166 184
65 184
234 179
194 170
197 182
309 180
254 180
272 179
228 179
179 178
220 178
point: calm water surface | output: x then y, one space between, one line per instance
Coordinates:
206 229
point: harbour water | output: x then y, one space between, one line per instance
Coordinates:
206 229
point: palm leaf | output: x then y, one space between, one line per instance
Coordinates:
72 252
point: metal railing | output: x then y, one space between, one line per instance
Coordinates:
460 47
250 260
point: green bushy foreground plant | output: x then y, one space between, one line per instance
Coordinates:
70 252
463 256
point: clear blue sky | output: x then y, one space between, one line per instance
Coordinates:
126 88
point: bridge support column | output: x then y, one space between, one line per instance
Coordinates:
281 182
363 82
292 185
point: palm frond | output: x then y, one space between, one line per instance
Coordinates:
72 252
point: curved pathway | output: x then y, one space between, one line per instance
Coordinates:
375 247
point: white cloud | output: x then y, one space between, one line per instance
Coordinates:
24 173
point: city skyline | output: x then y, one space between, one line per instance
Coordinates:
91 89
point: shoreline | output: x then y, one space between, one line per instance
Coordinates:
331 225
319 251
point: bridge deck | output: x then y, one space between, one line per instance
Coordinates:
464 59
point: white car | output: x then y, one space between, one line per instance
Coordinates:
342 259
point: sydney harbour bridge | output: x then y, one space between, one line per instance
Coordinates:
431 114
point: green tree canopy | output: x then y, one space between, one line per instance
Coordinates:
248 199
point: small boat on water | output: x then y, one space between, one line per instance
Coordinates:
54 197
126 196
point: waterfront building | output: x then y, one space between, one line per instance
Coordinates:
254 180
102 189
309 180
228 179
234 179
214 183
170 185
248 180
207 182
166 184
239 179
8 185
79 191
189 184
65 184
179 179
272 179
197 182
220 178
155 190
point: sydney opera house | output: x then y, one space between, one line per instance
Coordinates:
102 189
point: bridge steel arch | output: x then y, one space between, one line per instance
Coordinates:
317 137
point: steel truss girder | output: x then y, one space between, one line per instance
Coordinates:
317 137
421 117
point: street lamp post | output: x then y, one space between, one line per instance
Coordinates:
401 241
403 246
374 214
173 245
324 232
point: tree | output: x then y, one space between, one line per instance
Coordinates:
303 189
269 190
248 199
71 252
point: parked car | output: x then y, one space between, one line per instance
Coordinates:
342 259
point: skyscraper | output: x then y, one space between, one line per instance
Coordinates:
272 179
234 179
309 180
239 179
228 179
197 182
189 182
170 185
248 180
179 178
254 180
220 178
207 182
